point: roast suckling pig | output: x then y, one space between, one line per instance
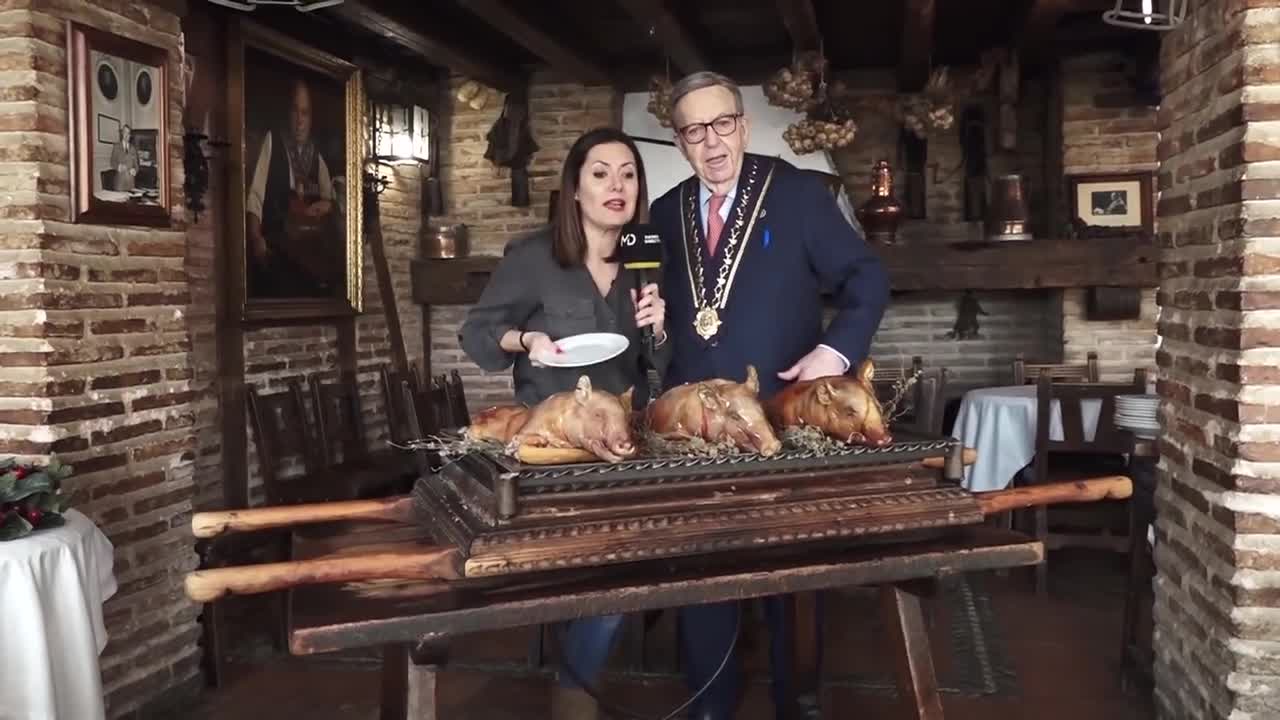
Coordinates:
596 421
715 411
498 423
842 407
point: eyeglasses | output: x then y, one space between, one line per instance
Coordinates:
695 133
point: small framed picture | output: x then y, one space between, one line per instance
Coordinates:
118 94
1117 203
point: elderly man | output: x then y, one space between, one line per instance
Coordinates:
752 245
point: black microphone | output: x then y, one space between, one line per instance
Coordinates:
640 249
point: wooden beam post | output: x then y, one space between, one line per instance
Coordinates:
917 44
360 14
675 40
801 23
556 54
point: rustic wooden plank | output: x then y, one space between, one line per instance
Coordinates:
917 44
670 32
1117 262
362 15
334 617
503 18
917 682
1048 263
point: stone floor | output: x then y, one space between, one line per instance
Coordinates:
1063 650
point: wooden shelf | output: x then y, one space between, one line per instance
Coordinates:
1110 262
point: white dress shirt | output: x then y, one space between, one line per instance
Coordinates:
704 206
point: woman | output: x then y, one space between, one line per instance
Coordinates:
560 282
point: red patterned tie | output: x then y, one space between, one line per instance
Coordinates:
714 223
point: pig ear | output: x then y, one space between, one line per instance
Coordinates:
824 392
866 372
626 398
753 380
583 393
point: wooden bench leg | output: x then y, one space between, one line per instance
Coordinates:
410 686
917 684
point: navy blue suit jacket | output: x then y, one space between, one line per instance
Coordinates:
799 248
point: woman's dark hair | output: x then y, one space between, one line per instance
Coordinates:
568 241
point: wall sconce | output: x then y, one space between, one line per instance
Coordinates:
1147 14
400 133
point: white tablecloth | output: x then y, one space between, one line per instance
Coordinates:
52 586
1000 423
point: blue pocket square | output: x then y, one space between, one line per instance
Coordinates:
766 237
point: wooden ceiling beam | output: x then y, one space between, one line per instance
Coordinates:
801 23
675 40
917 44
361 15
500 16
1036 36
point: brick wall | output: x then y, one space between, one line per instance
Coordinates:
1106 128
99 363
1217 515
479 194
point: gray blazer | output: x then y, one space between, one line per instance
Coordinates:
529 291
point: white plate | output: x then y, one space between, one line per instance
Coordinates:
587 349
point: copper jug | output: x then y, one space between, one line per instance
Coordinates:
879 215
1008 217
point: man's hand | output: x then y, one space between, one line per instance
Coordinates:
819 362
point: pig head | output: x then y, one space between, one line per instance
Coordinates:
842 407
584 418
716 411
498 423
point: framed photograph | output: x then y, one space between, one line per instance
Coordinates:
113 112
297 156
1113 202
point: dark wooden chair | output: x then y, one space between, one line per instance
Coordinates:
1028 373
1136 656
344 449
1101 455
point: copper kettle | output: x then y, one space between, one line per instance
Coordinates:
445 241
1008 217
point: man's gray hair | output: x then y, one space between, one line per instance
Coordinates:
705 79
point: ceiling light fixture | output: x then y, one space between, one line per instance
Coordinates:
300 5
1147 14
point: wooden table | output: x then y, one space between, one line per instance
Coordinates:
417 622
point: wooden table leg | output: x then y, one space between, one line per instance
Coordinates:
917 684
410 686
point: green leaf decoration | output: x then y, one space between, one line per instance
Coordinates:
30 485
13 526
8 482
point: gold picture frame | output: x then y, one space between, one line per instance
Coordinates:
295 244
118 106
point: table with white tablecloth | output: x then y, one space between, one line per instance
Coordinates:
53 583
1000 423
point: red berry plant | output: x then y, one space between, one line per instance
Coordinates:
30 497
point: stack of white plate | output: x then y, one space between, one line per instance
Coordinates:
1137 414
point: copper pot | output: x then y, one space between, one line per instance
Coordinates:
880 214
445 241
1008 217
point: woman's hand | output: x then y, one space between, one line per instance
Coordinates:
541 347
651 309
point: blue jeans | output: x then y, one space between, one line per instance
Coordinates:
705 631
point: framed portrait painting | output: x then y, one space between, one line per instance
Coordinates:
118 95
1115 203
296 178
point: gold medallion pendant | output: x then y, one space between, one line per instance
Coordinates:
707 322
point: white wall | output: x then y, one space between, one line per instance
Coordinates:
666 167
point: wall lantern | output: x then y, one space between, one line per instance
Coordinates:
401 133
1147 14
301 5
